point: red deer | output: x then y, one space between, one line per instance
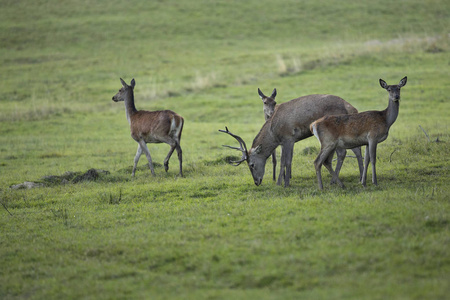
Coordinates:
288 125
348 131
269 107
163 126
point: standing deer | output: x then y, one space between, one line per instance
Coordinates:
163 126
268 103
269 107
288 125
348 131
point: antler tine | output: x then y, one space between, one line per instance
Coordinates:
242 148
237 162
238 138
235 148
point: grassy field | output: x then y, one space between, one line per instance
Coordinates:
213 234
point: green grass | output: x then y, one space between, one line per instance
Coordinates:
213 234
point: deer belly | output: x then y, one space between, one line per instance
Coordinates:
152 139
147 138
348 142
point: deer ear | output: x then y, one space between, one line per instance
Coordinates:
274 94
383 83
403 82
124 84
133 83
261 94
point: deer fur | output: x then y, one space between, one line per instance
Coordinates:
367 128
288 125
163 126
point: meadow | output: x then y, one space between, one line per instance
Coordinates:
213 234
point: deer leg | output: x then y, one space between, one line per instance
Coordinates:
319 161
166 160
288 163
282 167
328 164
147 153
274 164
290 175
180 158
373 160
136 159
358 154
340 152
281 176
366 165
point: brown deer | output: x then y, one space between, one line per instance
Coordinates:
268 103
367 128
163 126
269 107
288 125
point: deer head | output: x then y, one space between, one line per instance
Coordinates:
269 102
257 164
255 159
393 90
124 91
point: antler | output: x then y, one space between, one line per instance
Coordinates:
242 148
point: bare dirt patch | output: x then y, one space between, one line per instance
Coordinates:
66 178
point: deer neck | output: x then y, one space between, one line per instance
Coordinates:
267 139
130 108
392 112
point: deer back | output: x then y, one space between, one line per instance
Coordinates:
291 119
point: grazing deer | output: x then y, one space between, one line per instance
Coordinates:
269 107
347 131
288 125
163 126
